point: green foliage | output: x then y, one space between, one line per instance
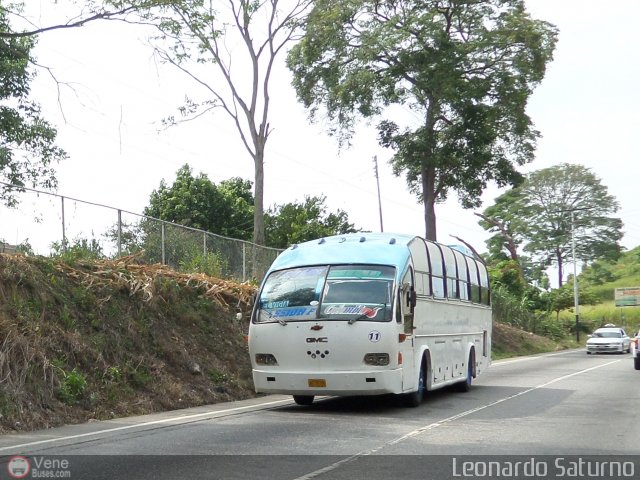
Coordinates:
507 274
512 310
25 247
212 264
79 249
72 386
112 374
217 377
538 214
226 210
138 376
298 222
199 203
8 406
533 312
131 237
67 319
464 69
563 298
505 225
598 273
592 317
27 141
548 197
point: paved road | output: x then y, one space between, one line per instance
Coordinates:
567 404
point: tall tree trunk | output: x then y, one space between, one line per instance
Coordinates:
428 173
560 267
429 200
258 211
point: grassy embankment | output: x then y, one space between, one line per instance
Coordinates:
100 340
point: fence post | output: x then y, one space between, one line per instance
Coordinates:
204 243
244 262
119 233
162 239
64 234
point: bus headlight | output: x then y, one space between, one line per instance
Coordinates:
377 359
266 359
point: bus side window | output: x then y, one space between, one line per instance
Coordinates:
484 285
437 270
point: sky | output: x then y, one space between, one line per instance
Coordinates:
587 109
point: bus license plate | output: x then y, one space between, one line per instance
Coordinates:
317 382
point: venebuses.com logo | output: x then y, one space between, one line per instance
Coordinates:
18 467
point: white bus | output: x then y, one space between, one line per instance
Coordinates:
369 314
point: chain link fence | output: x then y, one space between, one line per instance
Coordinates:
47 224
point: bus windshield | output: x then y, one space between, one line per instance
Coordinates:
338 292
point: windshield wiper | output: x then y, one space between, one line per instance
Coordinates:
281 321
364 316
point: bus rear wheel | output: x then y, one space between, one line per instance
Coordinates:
303 399
465 385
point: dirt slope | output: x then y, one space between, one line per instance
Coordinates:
106 339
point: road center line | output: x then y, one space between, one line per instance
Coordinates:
431 426
146 424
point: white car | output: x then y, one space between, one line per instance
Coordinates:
609 339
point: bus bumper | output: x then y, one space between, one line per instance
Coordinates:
334 383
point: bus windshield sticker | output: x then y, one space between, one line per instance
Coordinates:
361 310
335 273
291 312
272 305
381 273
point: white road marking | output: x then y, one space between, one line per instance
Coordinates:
146 424
499 363
431 426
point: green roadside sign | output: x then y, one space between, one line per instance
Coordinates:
627 297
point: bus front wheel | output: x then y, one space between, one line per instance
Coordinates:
303 399
414 399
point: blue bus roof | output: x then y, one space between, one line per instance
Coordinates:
372 248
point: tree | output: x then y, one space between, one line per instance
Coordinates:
28 151
463 69
227 209
555 202
93 12
239 205
562 298
298 222
195 201
195 38
500 220
27 141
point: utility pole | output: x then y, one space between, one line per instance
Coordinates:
375 171
575 278
576 298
